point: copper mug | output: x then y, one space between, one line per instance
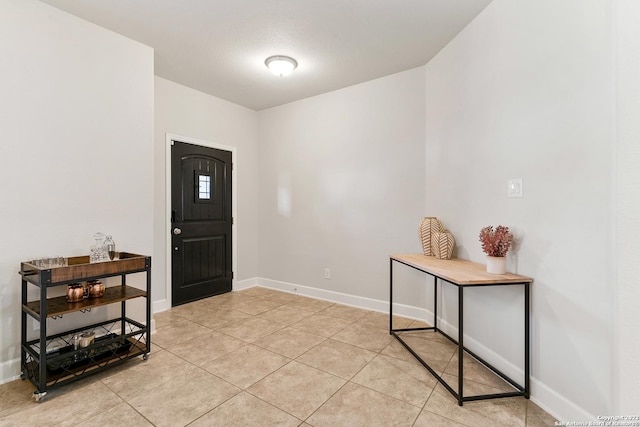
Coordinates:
75 292
86 339
95 289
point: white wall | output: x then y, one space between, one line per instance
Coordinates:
342 184
526 91
627 208
182 111
76 112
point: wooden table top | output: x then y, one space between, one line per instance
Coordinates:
459 271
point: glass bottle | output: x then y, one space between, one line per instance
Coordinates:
76 346
110 246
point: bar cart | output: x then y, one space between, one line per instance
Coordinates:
53 360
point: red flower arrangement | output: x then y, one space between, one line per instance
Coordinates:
496 242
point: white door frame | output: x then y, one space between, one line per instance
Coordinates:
234 205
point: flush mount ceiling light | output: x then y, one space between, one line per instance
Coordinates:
281 65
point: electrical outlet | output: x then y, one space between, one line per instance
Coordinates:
327 273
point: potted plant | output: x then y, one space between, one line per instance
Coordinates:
496 243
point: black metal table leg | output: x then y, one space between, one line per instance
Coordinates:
148 334
390 296
123 307
435 303
42 357
527 343
460 345
23 331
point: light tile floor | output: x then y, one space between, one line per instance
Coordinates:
260 357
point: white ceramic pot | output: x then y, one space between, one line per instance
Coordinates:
496 264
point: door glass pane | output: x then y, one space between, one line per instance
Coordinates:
204 187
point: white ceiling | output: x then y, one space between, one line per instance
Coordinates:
219 46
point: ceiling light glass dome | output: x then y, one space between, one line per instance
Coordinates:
281 65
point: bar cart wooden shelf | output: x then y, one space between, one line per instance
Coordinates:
50 360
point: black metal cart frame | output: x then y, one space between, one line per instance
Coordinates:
459 394
124 337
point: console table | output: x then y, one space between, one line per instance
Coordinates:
462 274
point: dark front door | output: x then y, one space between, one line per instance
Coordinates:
200 222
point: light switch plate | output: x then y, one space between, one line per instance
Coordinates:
514 187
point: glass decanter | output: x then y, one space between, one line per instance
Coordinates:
110 246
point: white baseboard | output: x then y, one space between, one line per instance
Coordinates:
558 405
245 284
346 299
9 370
160 306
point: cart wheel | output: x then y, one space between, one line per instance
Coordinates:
39 396
145 356
23 376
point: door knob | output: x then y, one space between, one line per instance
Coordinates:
177 231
